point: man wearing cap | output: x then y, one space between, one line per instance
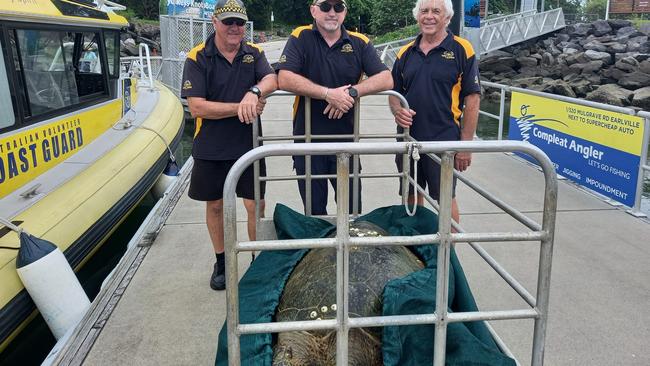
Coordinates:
326 62
225 80
438 75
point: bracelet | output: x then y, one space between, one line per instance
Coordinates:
327 91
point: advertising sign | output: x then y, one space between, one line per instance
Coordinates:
598 149
193 8
472 13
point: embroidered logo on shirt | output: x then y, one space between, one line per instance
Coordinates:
449 55
187 85
248 59
283 59
347 48
475 79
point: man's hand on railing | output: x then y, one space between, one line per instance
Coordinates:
333 113
261 103
247 110
339 98
404 117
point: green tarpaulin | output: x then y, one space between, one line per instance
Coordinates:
261 287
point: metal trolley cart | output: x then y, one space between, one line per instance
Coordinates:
537 305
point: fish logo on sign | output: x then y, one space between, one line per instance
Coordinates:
248 59
527 121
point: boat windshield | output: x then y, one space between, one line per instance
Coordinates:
60 68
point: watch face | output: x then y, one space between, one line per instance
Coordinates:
256 90
353 92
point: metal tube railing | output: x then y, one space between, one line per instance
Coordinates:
308 137
342 241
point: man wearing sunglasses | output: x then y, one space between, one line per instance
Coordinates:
438 75
326 62
225 80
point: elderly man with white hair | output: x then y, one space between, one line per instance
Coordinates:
438 75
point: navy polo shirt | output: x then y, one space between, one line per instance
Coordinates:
208 74
436 84
306 53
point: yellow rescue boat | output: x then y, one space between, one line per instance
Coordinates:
80 145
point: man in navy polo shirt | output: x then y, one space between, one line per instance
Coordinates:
326 62
225 80
438 75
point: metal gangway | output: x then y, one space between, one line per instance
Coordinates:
508 30
446 238
494 34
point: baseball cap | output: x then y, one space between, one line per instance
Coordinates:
225 9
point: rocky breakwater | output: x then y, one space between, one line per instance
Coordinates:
606 61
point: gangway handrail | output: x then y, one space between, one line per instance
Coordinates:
644 168
342 323
308 137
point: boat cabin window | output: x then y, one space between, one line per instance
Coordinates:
112 41
59 69
7 117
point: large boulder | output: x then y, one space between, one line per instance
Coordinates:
634 80
579 29
547 59
628 64
601 28
615 47
644 66
619 23
559 87
641 98
581 87
628 31
595 46
526 61
599 56
611 94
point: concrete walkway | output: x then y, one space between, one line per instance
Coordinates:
600 291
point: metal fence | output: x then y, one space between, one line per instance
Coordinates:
537 305
643 167
178 35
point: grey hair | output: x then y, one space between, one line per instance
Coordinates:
449 8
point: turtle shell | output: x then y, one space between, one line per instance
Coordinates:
310 294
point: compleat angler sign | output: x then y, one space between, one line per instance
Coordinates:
595 148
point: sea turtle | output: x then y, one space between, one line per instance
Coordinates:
310 294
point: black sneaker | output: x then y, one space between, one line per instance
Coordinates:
218 280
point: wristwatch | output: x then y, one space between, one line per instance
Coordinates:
255 90
353 92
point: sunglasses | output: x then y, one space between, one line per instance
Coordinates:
325 7
231 21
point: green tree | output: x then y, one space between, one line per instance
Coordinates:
144 9
597 7
292 12
259 11
388 15
568 6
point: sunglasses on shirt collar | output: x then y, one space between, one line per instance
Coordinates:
325 7
231 21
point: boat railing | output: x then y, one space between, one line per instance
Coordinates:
544 233
643 169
